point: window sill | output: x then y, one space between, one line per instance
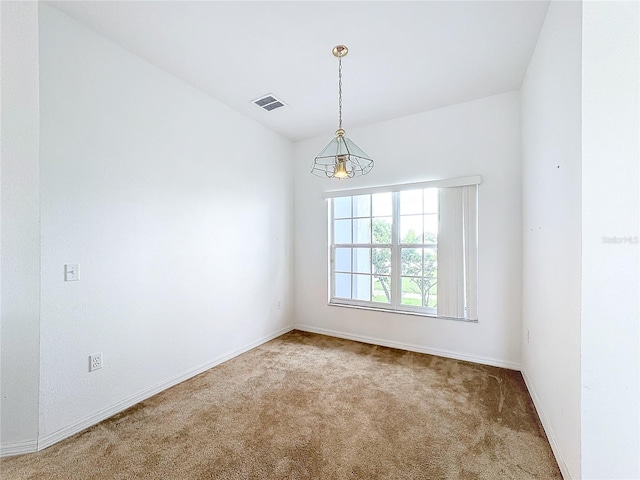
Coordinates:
401 312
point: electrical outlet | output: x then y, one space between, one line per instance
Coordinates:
278 304
95 361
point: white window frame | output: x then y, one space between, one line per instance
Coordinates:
396 285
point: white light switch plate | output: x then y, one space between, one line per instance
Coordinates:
71 273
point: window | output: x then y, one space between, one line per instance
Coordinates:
407 248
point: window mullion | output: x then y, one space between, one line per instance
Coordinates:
331 252
396 284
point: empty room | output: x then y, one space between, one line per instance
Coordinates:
320 240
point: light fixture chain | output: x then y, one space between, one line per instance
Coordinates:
340 90
341 158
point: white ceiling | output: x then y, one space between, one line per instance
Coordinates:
404 57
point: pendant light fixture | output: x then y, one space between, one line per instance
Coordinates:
341 158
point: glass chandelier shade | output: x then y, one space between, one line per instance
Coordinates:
341 158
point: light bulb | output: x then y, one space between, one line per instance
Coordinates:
340 170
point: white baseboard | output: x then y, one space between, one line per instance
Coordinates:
55 437
18 448
411 348
564 469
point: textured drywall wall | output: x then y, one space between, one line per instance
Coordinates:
551 136
177 210
474 138
610 227
20 238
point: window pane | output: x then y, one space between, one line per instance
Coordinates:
381 260
381 204
362 206
362 260
342 231
342 207
431 228
411 261
411 229
430 268
430 292
362 287
411 291
362 230
382 230
431 200
411 202
381 289
343 260
343 285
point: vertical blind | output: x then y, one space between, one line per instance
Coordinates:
458 253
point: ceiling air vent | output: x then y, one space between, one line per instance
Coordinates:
269 102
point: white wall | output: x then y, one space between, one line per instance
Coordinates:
551 152
176 208
20 238
610 271
479 137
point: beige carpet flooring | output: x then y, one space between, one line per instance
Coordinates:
307 406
